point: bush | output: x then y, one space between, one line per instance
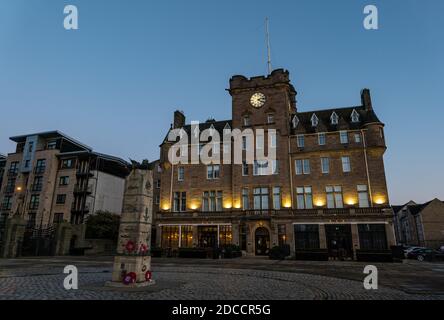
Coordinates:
374 255
156 252
194 253
231 251
103 225
280 252
312 254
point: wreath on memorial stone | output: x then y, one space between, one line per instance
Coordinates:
130 246
129 278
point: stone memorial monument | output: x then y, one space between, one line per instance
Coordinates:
132 264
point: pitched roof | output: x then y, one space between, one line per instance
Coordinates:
49 135
366 116
417 208
218 125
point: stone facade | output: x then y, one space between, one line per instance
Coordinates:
132 264
308 202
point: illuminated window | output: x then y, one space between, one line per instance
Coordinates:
334 197
225 235
212 201
363 196
186 240
170 237
304 198
282 234
277 199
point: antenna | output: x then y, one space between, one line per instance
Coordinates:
267 31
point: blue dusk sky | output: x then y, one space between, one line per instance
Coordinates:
115 83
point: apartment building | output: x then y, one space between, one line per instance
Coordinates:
52 178
420 224
326 189
2 168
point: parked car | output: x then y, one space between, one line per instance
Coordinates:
412 249
425 255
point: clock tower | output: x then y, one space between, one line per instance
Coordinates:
263 102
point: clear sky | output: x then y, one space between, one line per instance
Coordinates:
114 83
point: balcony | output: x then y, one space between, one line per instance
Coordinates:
83 189
12 173
9 189
6 206
33 206
36 187
84 173
78 208
39 170
271 213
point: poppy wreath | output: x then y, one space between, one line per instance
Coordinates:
143 248
130 246
129 278
148 275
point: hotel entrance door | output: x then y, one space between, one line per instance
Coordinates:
339 241
262 242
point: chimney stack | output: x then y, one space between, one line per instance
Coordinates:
366 99
179 119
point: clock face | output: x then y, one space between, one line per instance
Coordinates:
258 100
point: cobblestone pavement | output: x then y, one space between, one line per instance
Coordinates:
174 281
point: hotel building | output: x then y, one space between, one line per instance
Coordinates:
327 188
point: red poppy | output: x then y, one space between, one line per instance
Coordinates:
148 276
130 246
129 278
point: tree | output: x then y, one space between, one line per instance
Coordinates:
103 225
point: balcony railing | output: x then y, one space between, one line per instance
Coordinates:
6 206
36 187
33 206
10 189
82 189
39 170
78 208
278 213
12 172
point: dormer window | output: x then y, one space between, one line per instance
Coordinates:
295 122
355 116
314 120
212 129
334 118
247 121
